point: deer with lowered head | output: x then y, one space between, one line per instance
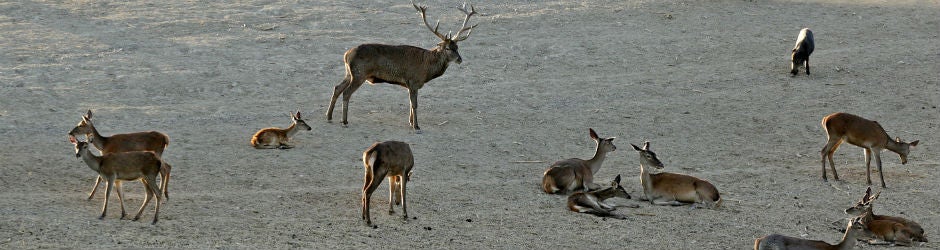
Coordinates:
673 189
577 174
125 166
858 131
885 229
854 230
592 202
138 141
392 159
407 66
278 138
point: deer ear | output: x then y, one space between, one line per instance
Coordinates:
635 147
298 115
593 134
646 145
873 197
87 115
914 143
617 180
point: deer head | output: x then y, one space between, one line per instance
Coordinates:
448 44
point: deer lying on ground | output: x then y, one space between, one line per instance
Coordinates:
407 66
592 202
885 229
576 174
125 166
853 231
801 51
673 189
858 131
278 138
392 159
139 141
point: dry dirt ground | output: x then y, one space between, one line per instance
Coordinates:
705 81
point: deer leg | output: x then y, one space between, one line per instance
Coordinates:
148 195
392 198
354 84
413 118
95 188
165 179
404 203
370 185
807 65
827 152
120 195
868 164
107 197
152 183
881 174
336 92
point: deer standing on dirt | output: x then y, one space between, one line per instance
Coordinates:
407 66
885 229
576 174
673 189
392 159
801 50
270 138
858 131
125 166
592 202
139 141
853 231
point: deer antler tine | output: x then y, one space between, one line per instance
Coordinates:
463 26
422 9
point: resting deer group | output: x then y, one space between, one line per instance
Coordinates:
270 138
125 166
853 231
576 174
592 202
885 229
392 159
407 66
152 141
858 131
673 189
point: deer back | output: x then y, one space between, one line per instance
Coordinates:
397 64
393 156
139 141
130 165
683 187
856 130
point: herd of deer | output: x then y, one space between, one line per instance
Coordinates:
138 156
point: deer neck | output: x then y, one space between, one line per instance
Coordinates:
848 240
96 138
290 131
606 193
595 162
437 63
645 179
867 216
93 162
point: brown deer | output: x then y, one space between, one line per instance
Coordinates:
278 138
592 202
885 229
138 141
392 159
125 166
858 131
673 189
853 231
576 174
407 66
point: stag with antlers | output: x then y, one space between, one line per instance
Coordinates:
407 66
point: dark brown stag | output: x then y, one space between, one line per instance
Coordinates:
407 66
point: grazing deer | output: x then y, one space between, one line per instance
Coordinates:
853 231
592 202
125 166
139 141
270 138
673 189
858 131
392 159
407 66
577 174
801 51
885 229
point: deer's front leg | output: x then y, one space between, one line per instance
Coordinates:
413 118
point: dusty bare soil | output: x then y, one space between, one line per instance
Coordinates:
705 81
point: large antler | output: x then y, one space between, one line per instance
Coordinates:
463 27
424 17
